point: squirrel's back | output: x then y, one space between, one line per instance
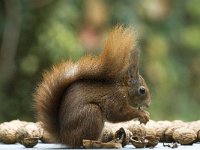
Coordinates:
110 65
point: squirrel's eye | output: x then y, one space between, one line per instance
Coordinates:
141 90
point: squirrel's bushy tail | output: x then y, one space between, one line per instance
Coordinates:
111 64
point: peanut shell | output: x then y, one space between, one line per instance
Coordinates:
29 133
184 136
8 131
168 136
151 137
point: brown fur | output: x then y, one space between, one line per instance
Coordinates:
74 99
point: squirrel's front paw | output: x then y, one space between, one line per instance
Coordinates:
144 116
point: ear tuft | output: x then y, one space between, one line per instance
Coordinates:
134 64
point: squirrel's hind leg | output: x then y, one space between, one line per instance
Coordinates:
87 123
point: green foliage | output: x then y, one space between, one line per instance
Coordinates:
59 42
168 34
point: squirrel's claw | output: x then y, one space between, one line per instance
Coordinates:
144 116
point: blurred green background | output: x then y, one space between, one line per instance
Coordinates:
35 34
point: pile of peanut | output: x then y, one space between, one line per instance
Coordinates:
26 133
149 135
140 135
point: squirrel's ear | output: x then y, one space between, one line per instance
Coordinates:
134 65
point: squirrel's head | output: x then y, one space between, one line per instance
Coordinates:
138 90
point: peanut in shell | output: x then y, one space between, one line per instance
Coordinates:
184 136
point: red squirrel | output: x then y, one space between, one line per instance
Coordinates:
75 99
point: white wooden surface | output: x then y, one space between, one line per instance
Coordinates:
42 146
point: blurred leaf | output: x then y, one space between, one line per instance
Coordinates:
29 65
191 36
